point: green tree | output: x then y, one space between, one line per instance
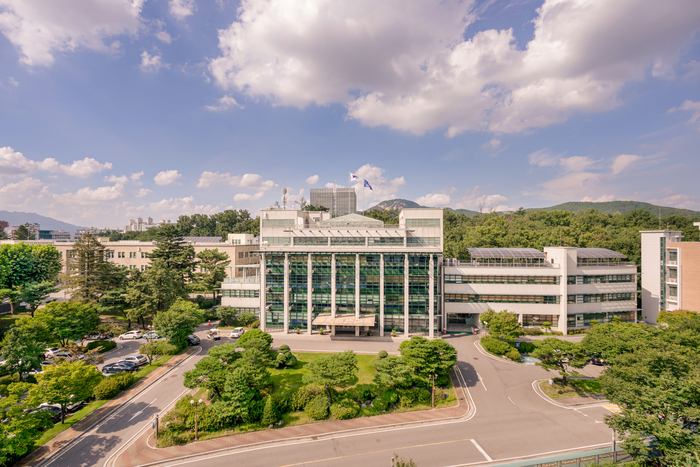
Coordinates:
24 232
227 315
21 349
502 323
155 349
20 427
657 389
314 208
178 322
212 265
65 384
612 339
393 372
68 320
209 373
88 270
560 355
152 291
23 264
239 402
332 370
114 298
174 254
225 353
427 357
255 334
270 414
34 294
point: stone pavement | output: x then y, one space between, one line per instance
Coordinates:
142 452
86 424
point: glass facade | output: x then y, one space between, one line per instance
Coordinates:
584 319
609 279
453 279
274 292
418 293
240 293
320 284
601 297
394 293
497 298
345 283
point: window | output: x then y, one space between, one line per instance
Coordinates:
144 254
672 292
132 267
278 223
603 297
537 320
323 241
672 256
497 298
348 241
240 254
455 279
239 293
385 241
143 268
236 241
109 254
608 279
132 254
121 254
276 240
423 241
246 254
422 222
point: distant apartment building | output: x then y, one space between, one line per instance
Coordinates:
91 230
34 227
339 201
4 224
58 235
670 273
138 225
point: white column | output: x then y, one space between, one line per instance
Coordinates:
286 293
333 292
431 299
381 294
309 283
563 293
357 292
405 295
263 292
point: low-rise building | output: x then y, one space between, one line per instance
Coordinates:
138 225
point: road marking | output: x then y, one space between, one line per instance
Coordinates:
613 408
488 458
538 455
510 399
482 381
385 450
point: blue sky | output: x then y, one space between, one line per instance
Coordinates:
117 109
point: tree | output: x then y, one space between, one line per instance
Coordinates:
254 334
114 299
393 372
502 323
178 322
21 350
612 339
209 373
3 234
23 264
336 369
239 401
314 208
68 320
152 291
25 232
20 427
34 294
270 414
561 355
225 353
157 349
174 254
88 270
247 318
227 315
213 270
428 357
65 384
657 389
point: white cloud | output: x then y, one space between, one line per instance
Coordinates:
143 192
164 37
251 181
382 187
90 197
40 29
152 63
13 163
18 195
543 158
623 161
476 200
167 177
246 197
181 9
172 208
12 81
690 106
406 64
435 200
114 179
224 103
493 144
600 199
312 180
678 200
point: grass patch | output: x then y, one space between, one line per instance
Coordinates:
51 433
146 370
573 388
286 379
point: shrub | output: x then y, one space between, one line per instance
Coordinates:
3 390
301 398
284 347
391 396
405 400
527 347
442 381
270 415
7 380
317 409
424 396
283 401
345 409
255 324
383 354
227 315
514 355
532 331
285 358
106 346
495 346
111 329
248 318
113 385
380 404
363 392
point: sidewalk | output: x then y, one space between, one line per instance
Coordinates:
86 424
142 452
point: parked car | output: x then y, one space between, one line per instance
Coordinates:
192 340
96 336
48 353
61 354
152 335
136 359
214 334
236 333
597 361
131 335
120 367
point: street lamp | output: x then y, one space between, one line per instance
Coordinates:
432 378
195 404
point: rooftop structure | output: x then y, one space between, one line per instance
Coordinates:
338 200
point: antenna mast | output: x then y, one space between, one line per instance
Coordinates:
284 197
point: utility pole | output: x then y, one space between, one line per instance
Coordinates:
432 378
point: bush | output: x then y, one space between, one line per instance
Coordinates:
380 404
424 396
514 355
270 415
442 381
3 390
391 396
345 409
227 315
317 409
7 380
495 346
106 346
247 318
111 329
113 385
301 398
532 331
363 392
284 347
255 324
382 354
527 347
283 401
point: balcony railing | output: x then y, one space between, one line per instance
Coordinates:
243 280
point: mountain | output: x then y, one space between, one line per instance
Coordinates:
46 223
467 212
622 207
392 204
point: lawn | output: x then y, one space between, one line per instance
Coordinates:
7 320
292 378
58 428
146 370
573 388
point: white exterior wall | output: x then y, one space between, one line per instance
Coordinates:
652 270
240 302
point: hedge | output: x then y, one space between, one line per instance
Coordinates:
345 409
113 385
317 409
106 346
495 346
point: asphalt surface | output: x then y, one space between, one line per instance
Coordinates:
511 420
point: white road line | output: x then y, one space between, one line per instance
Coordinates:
488 458
510 399
536 456
482 381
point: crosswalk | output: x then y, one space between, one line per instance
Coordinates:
613 408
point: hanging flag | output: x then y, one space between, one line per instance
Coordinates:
353 176
367 185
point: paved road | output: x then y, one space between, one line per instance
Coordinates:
511 421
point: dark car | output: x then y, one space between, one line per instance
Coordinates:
121 367
597 361
192 340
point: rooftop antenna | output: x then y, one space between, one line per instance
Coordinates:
284 197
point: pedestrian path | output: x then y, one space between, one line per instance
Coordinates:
141 451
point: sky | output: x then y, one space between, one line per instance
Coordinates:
117 109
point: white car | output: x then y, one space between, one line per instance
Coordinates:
136 359
131 335
50 351
236 333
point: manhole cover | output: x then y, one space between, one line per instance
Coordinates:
476 358
173 376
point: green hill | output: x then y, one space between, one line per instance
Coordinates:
622 207
396 204
466 212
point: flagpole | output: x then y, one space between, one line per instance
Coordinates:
363 198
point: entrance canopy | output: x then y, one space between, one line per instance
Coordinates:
344 320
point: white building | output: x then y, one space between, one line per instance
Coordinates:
138 225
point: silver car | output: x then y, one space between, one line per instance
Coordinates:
131 335
137 359
236 333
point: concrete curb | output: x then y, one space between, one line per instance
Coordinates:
483 351
583 405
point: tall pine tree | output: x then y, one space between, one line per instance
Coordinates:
173 253
88 270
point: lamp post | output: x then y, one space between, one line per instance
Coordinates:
432 378
195 404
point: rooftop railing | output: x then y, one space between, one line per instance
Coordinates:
243 280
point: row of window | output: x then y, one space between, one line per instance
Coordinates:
601 297
606 279
278 223
240 293
423 241
422 222
480 279
122 254
498 298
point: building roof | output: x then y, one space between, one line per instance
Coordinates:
351 220
202 239
506 253
598 253
326 319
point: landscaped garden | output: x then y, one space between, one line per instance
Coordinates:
573 388
247 386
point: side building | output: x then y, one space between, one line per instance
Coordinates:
670 273
345 274
564 286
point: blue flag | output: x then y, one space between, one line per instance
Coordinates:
367 185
